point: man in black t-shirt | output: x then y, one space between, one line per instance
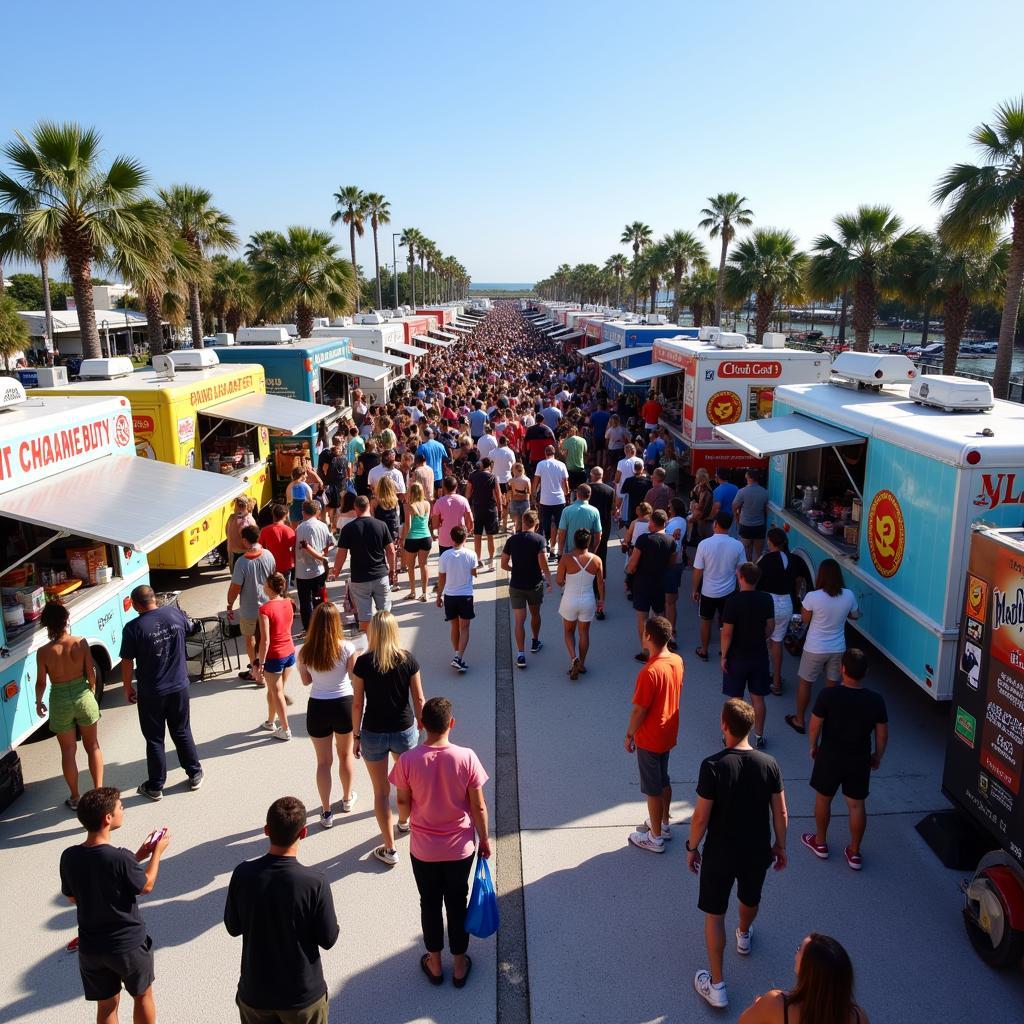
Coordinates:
484 497
846 717
602 497
748 619
524 557
284 912
103 882
632 491
373 561
740 799
653 553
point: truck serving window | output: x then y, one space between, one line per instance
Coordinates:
823 490
225 446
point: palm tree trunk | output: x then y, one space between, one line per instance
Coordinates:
77 246
195 315
355 269
720 284
865 299
842 316
926 318
677 280
154 329
1011 304
764 305
304 320
618 289
376 265
233 320
955 311
412 279
44 273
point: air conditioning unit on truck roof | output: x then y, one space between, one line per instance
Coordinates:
262 336
728 339
194 359
874 369
952 394
105 369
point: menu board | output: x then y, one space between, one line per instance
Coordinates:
985 747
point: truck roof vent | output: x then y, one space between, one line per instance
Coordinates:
12 393
194 359
952 394
870 369
262 336
368 318
729 339
106 369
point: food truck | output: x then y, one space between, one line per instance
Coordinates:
630 333
985 741
717 379
189 410
443 314
294 368
886 472
78 512
985 746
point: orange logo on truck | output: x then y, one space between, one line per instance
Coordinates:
977 597
724 407
887 533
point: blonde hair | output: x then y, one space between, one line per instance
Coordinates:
702 476
326 636
384 641
416 492
387 495
518 468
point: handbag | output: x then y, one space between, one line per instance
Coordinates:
482 913
793 641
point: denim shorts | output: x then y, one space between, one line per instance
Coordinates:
278 665
375 746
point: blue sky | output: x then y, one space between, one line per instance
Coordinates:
519 136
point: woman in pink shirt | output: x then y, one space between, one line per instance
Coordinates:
440 792
450 510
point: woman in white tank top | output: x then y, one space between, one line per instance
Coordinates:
577 572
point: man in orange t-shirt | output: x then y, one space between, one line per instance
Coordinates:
653 731
279 540
651 411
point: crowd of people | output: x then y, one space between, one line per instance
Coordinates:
503 449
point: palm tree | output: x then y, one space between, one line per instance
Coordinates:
639 236
351 203
700 292
410 239
424 249
231 292
723 214
655 263
14 335
205 228
257 244
617 265
59 195
302 272
378 209
863 256
769 266
989 194
13 243
683 250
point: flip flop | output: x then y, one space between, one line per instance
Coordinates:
776 691
461 982
574 669
435 979
703 655
792 723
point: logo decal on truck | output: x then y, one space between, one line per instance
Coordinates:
886 533
724 407
1003 490
123 431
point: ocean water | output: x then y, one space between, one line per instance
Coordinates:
504 286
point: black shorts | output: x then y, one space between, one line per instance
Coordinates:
458 608
503 488
485 522
577 477
753 532
716 882
653 771
751 674
103 974
519 598
324 718
712 606
648 597
418 544
830 773
599 444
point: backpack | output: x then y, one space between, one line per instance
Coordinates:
337 471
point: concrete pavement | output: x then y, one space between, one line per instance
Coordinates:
612 933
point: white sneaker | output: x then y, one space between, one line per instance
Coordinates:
269 726
645 841
743 941
403 828
282 734
326 819
386 856
645 826
713 995
346 805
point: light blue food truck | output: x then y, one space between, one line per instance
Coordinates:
886 471
78 513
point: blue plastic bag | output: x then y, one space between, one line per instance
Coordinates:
482 915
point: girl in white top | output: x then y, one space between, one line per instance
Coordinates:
577 572
325 665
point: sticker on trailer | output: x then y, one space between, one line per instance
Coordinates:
887 533
724 407
143 424
186 429
757 368
1002 489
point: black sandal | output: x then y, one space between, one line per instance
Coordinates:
435 979
776 691
792 723
702 654
461 982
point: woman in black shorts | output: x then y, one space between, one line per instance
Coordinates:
325 663
417 540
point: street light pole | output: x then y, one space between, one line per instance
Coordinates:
394 258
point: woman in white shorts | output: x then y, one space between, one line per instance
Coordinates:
825 611
577 571
777 579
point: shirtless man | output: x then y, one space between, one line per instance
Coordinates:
67 661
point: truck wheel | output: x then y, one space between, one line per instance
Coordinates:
987 919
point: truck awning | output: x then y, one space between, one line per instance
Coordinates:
640 374
447 334
379 357
791 433
571 335
621 353
277 413
593 350
354 368
408 350
427 340
455 327
131 502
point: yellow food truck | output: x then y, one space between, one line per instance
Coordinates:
188 410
